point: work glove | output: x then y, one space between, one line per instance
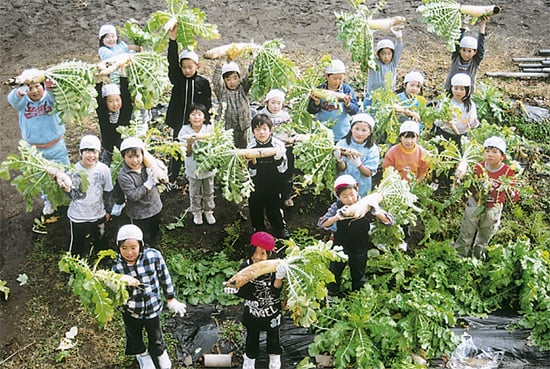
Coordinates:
22 90
355 161
281 151
337 152
161 172
150 182
230 290
282 270
131 281
397 31
178 308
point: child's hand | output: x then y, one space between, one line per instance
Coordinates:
131 281
397 31
347 100
282 271
49 84
355 160
230 290
173 32
178 308
315 99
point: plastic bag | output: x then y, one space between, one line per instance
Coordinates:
468 356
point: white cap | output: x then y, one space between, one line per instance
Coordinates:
189 54
90 142
110 89
409 126
131 142
384 44
414 76
106 28
363 117
231 67
128 231
344 181
468 42
336 66
461 79
497 142
275 93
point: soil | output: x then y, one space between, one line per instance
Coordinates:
41 33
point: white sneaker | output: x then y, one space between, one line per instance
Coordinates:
145 361
197 218
248 363
164 361
274 361
48 208
117 209
210 217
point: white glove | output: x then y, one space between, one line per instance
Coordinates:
178 308
397 31
355 161
131 281
22 90
281 151
337 152
281 272
230 290
150 182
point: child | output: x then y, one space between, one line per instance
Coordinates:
143 204
88 212
339 111
407 157
188 88
468 54
363 166
145 271
110 45
351 234
388 56
478 227
40 128
464 115
274 104
114 109
201 184
267 175
262 305
410 95
231 91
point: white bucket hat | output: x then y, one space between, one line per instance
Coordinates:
275 93
132 142
231 67
414 76
384 44
363 117
461 79
110 89
336 66
189 54
90 142
106 28
468 42
409 126
128 231
497 142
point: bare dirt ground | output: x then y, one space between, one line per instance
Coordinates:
41 33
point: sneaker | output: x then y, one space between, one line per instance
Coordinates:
274 361
289 203
197 218
145 361
285 234
172 186
117 209
210 217
48 208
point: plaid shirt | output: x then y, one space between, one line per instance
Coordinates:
145 301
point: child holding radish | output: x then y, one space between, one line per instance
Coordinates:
338 110
410 97
110 45
201 184
351 234
262 305
231 89
468 54
357 154
143 203
188 88
267 175
145 271
483 210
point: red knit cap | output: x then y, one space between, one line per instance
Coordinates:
263 240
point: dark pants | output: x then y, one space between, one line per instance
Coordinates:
252 346
134 335
149 227
261 200
175 164
85 237
357 261
444 180
288 183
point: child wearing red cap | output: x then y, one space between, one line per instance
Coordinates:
262 305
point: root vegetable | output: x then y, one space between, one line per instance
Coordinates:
108 66
253 271
363 206
170 24
160 174
384 24
28 77
479 11
328 95
256 153
231 50
63 180
347 151
196 136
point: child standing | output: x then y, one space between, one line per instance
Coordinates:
408 157
145 271
201 184
483 210
359 139
88 212
267 175
188 88
410 95
110 45
388 56
231 90
336 111
351 234
274 104
143 204
468 54
262 305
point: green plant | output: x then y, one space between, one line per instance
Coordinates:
4 289
232 331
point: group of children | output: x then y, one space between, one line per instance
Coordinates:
357 161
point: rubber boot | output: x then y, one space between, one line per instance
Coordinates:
145 361
274 361
248 363
164 361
